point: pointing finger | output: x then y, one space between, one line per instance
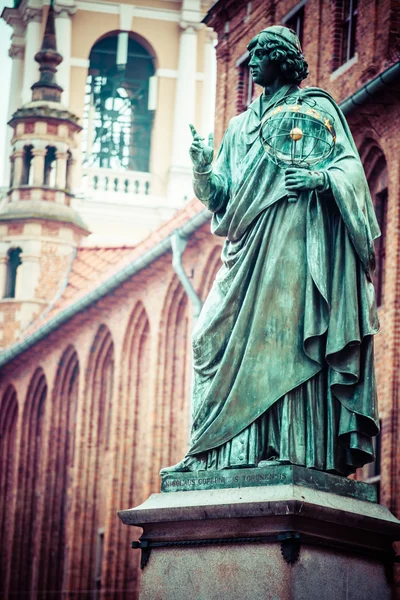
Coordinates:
193 130
211 140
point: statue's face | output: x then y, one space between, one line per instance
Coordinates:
264 71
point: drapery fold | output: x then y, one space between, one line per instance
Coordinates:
293 298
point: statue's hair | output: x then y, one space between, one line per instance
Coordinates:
292 63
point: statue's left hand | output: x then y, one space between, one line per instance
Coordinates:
297 179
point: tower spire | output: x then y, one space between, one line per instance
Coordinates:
48 58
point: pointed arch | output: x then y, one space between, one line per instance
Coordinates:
59 473
375 167
27 530
8 433
210 271
135 392
91 507
173 397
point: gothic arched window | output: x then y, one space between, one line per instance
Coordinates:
376 171
117 120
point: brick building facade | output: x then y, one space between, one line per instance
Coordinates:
94 395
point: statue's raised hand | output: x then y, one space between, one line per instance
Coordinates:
201 154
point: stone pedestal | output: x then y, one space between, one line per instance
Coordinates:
278 533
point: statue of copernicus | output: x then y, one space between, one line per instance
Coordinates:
283 348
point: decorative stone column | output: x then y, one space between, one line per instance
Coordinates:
29 270
18 158
185 102
185 107
63 32
17 54
61 170
4 247
209 84
71 177
38 166
14 101
33 20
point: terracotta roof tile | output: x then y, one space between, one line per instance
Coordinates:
94 265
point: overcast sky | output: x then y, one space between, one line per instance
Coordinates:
5 77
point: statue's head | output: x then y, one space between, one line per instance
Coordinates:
283 48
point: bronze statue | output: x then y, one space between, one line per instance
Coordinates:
283 348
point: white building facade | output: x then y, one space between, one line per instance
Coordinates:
136 74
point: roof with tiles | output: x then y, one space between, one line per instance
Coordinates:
92 266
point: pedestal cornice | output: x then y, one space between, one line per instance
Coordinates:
286 541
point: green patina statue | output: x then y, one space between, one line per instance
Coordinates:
283 348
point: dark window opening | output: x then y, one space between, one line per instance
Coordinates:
26 178
68 176
14 261
245 86
99 561
12 172
380 204
349 26
295 22
117 119
50 167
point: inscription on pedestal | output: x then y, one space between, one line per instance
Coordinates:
267 476
223 481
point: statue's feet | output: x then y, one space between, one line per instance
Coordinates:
189 463
272 462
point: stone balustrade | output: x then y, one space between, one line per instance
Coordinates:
121 182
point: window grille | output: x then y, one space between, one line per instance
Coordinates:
295 21
349 27
245 86
345 15
117 120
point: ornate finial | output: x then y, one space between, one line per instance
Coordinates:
49 59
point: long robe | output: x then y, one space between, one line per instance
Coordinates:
291 315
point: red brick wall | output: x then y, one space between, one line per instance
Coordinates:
116 410
117 375
56 256
373 124
377 45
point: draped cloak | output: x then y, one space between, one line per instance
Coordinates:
294 295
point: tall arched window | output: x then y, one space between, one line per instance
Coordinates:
117 120
59 475
171 420
27 530
95 464
213 265
376 171
135 426
8 432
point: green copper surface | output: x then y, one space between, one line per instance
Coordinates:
283 348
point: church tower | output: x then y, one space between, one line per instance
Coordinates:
39 229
